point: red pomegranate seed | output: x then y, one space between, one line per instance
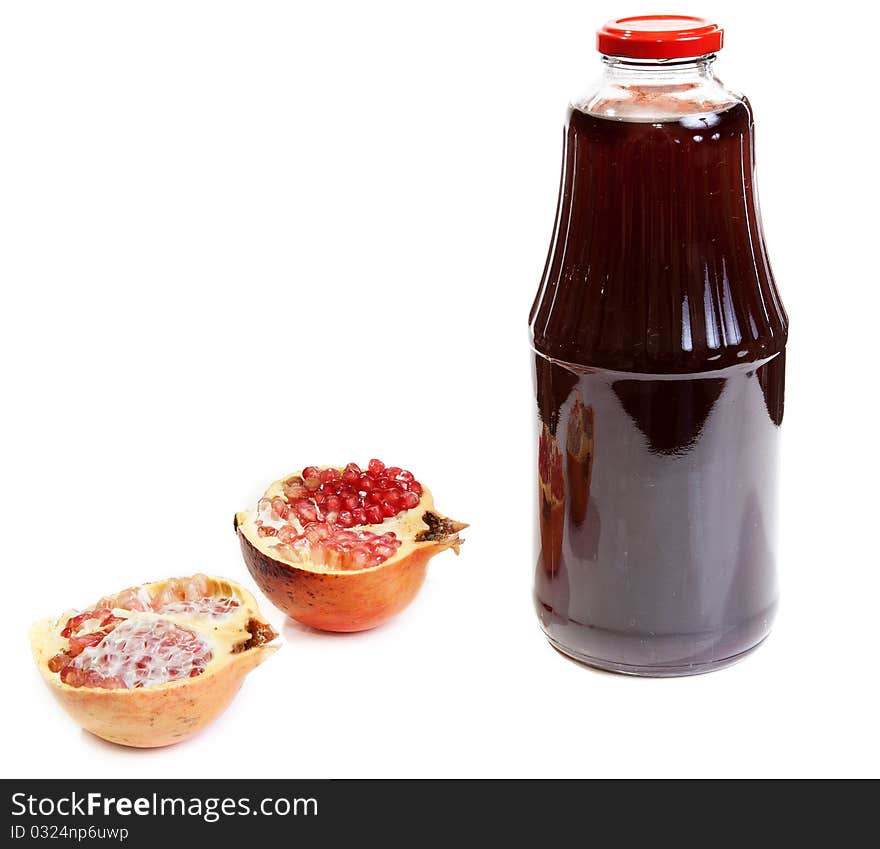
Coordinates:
78 644
295 488
306 511
263 505
315 532
58 662
287 533
75 623
360 557
266 531
73 677
123 651
332 504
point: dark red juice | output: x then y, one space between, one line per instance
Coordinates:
659 343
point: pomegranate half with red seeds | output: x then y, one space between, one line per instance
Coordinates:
153 664
344 548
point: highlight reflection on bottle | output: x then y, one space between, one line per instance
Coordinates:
579 458
551 500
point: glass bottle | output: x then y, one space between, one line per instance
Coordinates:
659 361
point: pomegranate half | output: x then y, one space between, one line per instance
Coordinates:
153 664
344 548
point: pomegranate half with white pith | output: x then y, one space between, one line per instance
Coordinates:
344 548
151 665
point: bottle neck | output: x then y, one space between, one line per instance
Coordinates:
648 89
644 71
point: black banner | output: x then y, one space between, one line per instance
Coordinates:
167 814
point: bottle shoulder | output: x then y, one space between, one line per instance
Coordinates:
662 94
675 360
657 262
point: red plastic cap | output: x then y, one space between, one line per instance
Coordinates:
659 37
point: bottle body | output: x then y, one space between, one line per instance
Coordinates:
659 342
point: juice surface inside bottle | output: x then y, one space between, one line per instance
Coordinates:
659 342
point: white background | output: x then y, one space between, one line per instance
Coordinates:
237 238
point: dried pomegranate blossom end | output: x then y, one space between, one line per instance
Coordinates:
321 517
139 653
